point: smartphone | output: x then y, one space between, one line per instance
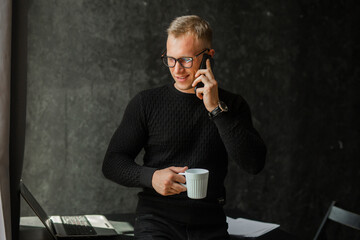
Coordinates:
203 66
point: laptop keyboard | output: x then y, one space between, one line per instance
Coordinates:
77 225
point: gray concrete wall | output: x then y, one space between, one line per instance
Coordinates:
292 61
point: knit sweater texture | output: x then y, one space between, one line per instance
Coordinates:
175 130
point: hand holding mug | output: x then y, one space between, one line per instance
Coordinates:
167 181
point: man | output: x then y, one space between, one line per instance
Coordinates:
179 130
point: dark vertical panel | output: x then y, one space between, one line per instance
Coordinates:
5 58
18 106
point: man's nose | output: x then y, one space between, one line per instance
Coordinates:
178 67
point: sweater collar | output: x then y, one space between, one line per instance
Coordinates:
178 93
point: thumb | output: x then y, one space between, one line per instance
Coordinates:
178 169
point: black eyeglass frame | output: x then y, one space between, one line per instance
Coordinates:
164 56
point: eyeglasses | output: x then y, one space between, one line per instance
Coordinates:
185 62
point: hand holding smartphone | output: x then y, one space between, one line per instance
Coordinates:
203 66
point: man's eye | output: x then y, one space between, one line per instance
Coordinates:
187 60
170 59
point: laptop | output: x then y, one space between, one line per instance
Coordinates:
61 227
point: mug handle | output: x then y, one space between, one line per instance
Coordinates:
185 178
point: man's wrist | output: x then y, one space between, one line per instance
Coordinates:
213 107
221 107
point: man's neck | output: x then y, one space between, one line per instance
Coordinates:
189 90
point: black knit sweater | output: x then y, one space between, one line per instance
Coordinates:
174 129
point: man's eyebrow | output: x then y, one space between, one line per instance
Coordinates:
179 57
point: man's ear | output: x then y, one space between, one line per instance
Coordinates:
212 52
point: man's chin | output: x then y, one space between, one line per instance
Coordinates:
187 88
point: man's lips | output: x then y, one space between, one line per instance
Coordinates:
181 78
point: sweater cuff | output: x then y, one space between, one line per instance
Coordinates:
146 176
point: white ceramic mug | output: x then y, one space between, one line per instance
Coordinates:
196 182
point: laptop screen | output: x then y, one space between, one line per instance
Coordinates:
39 211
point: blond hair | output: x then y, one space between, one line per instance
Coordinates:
193 25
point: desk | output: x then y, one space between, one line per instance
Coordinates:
30 233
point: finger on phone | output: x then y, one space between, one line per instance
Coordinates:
199 93
208 64
196 81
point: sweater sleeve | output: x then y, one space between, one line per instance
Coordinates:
119 164
242 142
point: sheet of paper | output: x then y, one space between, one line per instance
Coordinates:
32 221
248 228
123 227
